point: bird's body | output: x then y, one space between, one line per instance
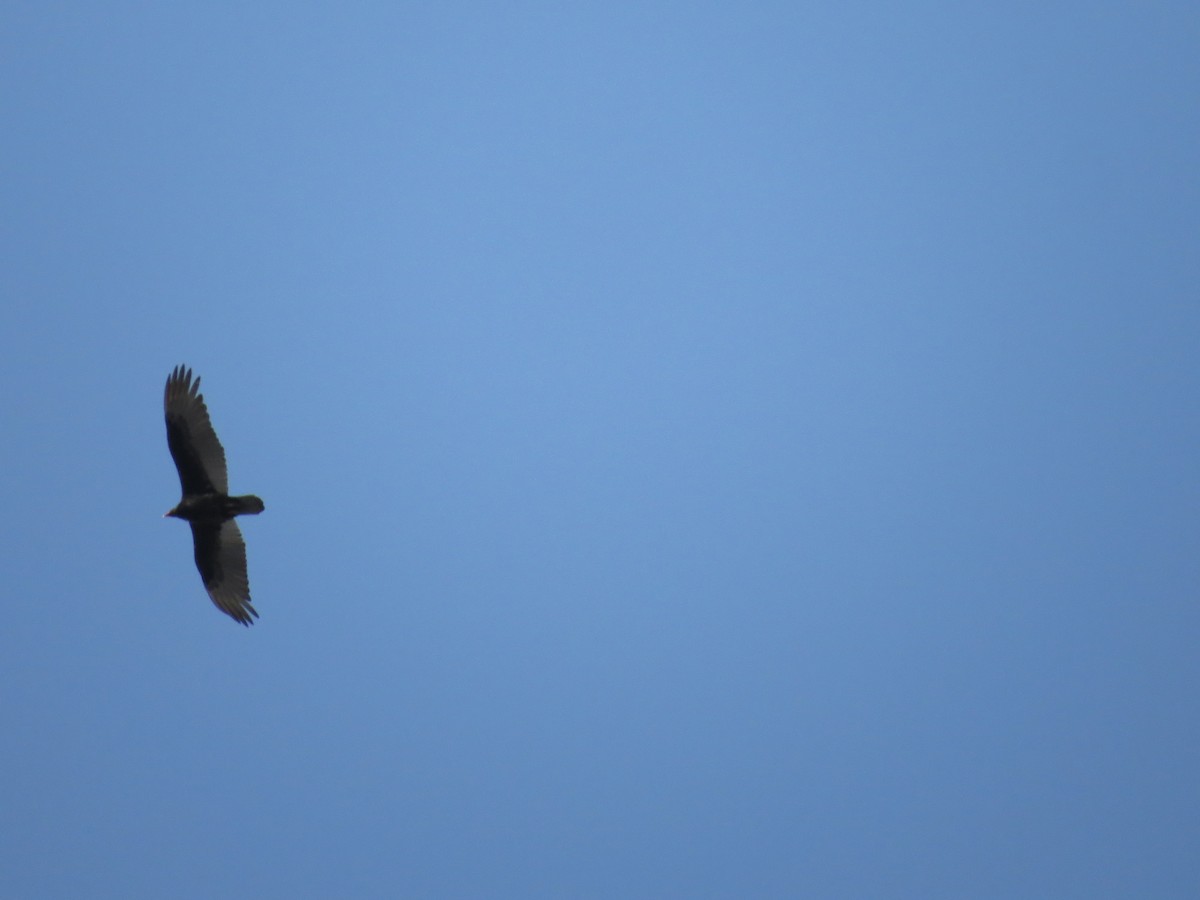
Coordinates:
206 505
213 509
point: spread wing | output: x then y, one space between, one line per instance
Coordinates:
221 559
198 454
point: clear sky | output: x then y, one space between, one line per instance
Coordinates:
736 450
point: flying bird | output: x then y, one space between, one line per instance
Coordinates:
206 504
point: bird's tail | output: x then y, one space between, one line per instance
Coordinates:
247 504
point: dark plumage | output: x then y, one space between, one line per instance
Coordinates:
206 504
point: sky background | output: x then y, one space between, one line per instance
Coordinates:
709 450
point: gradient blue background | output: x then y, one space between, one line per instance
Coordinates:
710 450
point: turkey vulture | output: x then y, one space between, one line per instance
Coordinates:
206 504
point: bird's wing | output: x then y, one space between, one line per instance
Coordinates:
221 559
198 454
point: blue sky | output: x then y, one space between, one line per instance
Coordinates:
720 450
